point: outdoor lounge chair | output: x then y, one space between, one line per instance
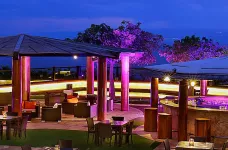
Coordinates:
65 144
51 114
83 110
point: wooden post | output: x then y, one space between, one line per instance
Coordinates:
90 75
124 82
102 89
17 85
183 110
203 87
25 78
154 92
150 119
78 72
53 73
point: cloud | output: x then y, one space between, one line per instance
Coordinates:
26 25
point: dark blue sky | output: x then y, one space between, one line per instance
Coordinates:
64 18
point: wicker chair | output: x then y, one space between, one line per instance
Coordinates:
129 129
91 128
11 113
199 138
26 147
117 118
65 143
167 145
105 131
23 126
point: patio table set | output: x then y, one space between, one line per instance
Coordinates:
109 128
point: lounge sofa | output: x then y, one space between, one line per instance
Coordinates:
68 108
49 113
82 110
52 98
5 99
30 107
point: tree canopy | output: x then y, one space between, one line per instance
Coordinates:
192 48
127 35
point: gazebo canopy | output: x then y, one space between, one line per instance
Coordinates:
26 45
208 69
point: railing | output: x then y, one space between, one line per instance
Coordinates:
66 73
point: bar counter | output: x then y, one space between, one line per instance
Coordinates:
219 118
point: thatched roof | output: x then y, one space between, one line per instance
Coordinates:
27 45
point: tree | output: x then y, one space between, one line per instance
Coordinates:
127 35
192 48
100 35
131 36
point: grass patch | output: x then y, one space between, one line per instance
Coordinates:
45 137
138 122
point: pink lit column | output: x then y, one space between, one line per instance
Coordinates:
203 87
90 75
17 84
154 92
124 82
102 89
25 78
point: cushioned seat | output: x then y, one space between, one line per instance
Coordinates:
82 110
51 114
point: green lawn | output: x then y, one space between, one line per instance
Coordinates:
40 138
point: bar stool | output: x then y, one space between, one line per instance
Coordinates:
150 119
203 128
164 126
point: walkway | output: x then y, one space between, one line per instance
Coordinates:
70 123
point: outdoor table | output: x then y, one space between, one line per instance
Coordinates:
8 119
115 124
197 146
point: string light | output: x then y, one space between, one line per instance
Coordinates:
167 79
193 83
75 57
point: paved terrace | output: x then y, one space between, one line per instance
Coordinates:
69 122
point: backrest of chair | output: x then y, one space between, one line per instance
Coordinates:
24 122
26 147
90 124
1 109
65 143
104 130
118 118
12 113
199 139
129 127
166 144
225 145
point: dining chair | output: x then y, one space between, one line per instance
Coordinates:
117 118
23 126
166 144
26 147
199 138
12 113
129 129
91 128
105 131
65 144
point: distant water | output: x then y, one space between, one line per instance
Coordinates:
169 36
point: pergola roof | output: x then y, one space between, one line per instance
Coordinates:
27 45
209 69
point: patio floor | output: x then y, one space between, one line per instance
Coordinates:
69 122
